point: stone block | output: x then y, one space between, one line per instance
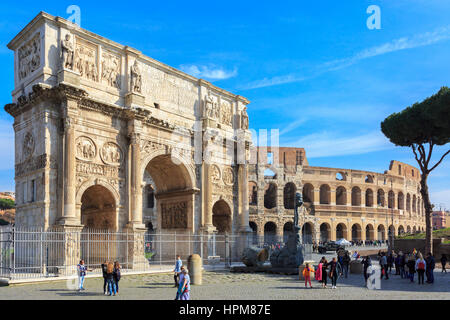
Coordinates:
356 267
69 77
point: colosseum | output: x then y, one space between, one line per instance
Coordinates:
339 203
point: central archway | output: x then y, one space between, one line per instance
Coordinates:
325 232
174 192
99 218
307 233
98 209
341 231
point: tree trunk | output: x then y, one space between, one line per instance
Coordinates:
428 213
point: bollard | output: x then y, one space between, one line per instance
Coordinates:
195 269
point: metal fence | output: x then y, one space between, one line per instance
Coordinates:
34 253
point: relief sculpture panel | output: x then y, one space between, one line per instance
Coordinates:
86 149
111 154
29 57
111 69
86 60
174 215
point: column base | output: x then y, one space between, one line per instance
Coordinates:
245 229
133 226
69 222
209 229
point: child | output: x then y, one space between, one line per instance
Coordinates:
81 268
117 275
110 279
307 274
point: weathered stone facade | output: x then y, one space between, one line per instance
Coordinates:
339 203
99 126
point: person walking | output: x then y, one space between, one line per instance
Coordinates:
177 271
397 264
430 268
110 279
366 262
421 267
333 273
81 270
318 272
346 263
105 282
411 264
443 262
307 274
402 265
117 275
384 266
324 272
184 288
390 262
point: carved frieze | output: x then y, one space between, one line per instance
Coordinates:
28 146
35 163
86 149
29 57
86 60
174 215
110 73
226 114
89 168
111 154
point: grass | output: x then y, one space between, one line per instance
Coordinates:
442 233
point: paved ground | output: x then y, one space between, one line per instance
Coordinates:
223 285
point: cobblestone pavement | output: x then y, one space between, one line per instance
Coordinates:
223 285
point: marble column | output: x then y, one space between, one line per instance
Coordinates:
69 174
207 198
135 182
243 199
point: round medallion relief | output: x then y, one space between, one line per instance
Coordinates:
111 153
85 149
228 176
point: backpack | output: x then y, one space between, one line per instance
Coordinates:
421 265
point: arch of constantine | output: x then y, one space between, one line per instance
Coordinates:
108 138
339 203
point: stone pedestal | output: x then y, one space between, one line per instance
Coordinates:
134 100
195 269
135 249
69 77
68 254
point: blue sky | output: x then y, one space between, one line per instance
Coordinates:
312 69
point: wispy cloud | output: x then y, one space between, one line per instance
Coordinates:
292 126
329 144
208 72
415 41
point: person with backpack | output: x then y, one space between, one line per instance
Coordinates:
307 274
421 267
430 268
117 275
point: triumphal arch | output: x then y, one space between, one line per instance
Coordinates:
96 123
